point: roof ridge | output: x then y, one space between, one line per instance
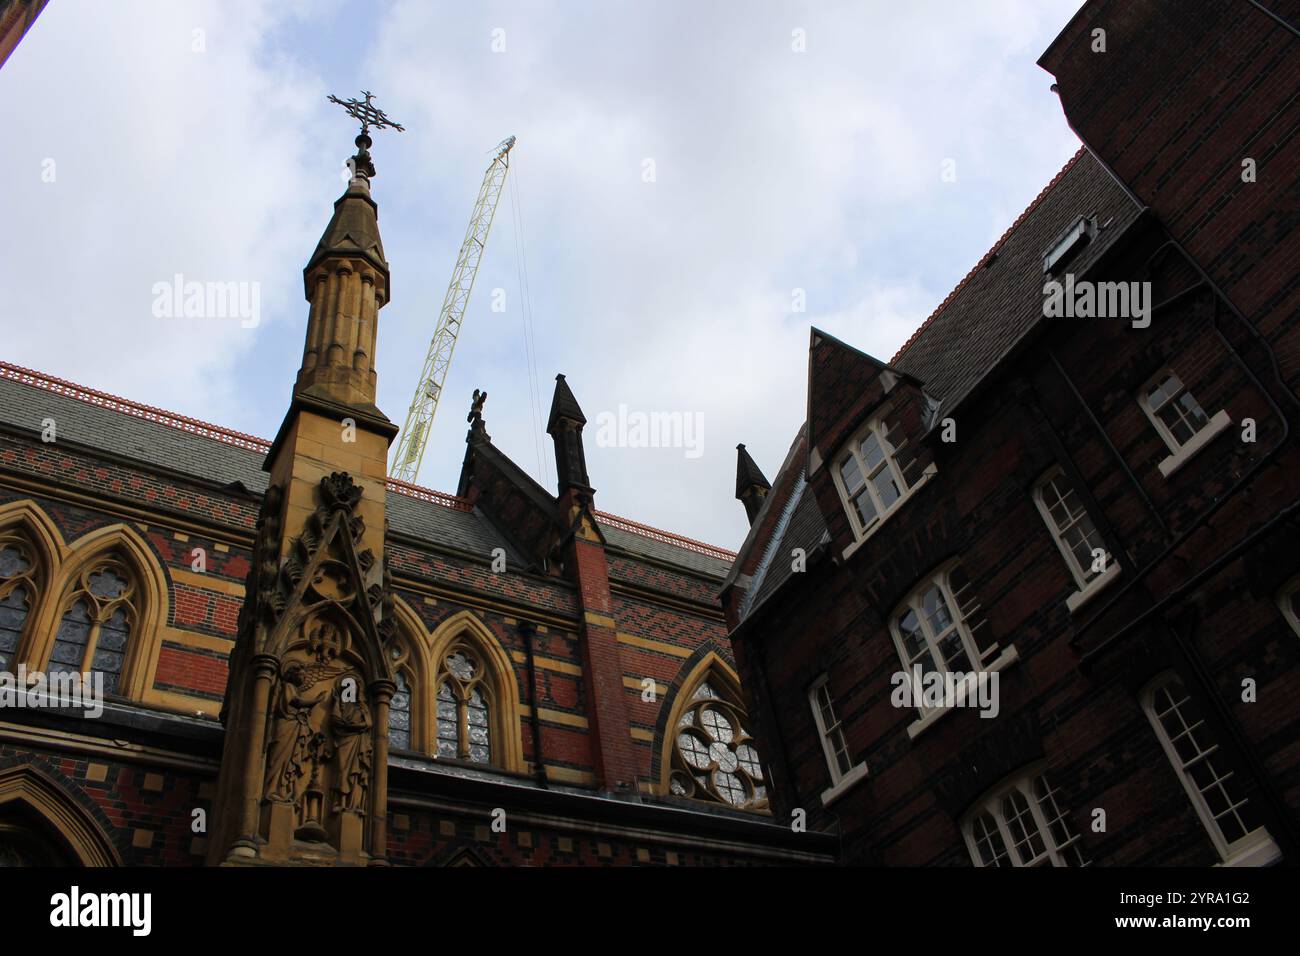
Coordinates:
193 426
93 396
668 537
229 436
428 494
992 251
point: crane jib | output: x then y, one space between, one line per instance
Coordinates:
414 435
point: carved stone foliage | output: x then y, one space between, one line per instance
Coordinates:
259 583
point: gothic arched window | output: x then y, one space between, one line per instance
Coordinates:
463 706
18 592
713 756
402 706
96 624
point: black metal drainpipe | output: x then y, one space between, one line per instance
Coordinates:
1196 665
1110 445
1109 534
1202 519
1283 824
528 629
1285 512
758 654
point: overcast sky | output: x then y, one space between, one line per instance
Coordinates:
139 149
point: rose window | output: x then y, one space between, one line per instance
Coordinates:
715 758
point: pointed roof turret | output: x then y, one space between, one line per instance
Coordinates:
748 474
353 230
565 426
346 282
751 485
564 406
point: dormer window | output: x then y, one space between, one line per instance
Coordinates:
869 479
1069 243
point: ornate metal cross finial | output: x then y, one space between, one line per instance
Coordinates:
369 114
475 416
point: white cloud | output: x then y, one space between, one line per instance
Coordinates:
776 170
167 161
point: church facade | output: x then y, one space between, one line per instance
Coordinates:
303 662
1027 593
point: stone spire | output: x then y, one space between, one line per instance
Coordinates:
565 426
304 766
751 486
346 281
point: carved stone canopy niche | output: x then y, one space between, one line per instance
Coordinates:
320 745
310 683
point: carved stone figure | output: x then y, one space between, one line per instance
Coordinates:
350 724
289 761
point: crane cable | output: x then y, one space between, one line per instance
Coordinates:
530 338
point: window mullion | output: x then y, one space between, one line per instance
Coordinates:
92 639
959 625
1041 822
931 641
995 810
462 725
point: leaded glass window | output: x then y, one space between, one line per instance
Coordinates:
399 714
95 628
464 707
448 722
714 757
1021 823
18 589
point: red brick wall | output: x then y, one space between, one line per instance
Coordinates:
1098 745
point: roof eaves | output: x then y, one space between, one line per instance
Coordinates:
774 543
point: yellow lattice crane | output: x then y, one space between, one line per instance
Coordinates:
415 435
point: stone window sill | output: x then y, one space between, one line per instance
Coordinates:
1254 849
1094 587
847 783
1217 424
1004 660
